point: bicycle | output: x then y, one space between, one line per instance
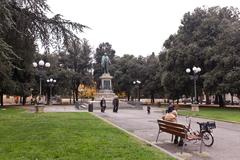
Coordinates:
205 131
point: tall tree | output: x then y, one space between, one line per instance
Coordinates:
22 24
126 70
80 63
205 39
152 85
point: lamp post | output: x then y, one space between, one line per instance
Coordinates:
137 82
51 83
40 66
195 76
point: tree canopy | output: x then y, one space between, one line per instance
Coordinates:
23 25
208 38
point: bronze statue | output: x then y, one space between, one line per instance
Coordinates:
105 63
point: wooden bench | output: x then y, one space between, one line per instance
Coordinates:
179 130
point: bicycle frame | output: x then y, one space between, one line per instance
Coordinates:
205 130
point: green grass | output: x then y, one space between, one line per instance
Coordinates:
222 114
67 136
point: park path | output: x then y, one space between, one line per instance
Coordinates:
138 122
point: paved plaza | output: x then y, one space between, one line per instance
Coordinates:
227 135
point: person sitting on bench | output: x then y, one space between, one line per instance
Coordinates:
171 116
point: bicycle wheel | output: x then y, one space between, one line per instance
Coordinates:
207 138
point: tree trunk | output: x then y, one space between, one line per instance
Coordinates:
70 95
24 100
1 99
216 101
221 101
200 100
76 94
128 96
207 99
152 98
139 94
231 98
48 96
73 95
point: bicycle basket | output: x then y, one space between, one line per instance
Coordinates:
203 126
211 124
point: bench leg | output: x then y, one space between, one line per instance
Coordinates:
183 146
201 145
157 136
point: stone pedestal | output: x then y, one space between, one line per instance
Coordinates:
105 88
195 107
106 82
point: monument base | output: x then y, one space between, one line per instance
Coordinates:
108 95
105 88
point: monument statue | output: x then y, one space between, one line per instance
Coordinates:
105 63
106 89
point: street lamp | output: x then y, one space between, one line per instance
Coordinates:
51 83
40 66
195 76
137 82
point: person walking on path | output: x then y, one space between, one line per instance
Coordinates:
148 109
103 105
115 104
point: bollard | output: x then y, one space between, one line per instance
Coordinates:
90 107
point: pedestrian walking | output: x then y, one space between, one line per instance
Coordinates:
115 104
103 105
148 109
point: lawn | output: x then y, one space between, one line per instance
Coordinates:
222 114
67 136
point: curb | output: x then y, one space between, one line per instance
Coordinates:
137 137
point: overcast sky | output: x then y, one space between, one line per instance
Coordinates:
136 27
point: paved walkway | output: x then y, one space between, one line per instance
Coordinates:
225 147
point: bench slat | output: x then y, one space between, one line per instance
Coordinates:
171 127
180 134
171 123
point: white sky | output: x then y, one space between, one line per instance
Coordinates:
137 27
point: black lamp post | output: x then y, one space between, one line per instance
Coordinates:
51 83
194 77
137 82
40 66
